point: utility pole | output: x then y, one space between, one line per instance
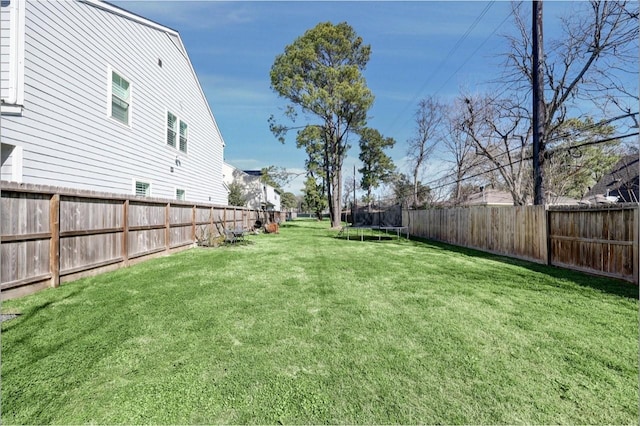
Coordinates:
538 105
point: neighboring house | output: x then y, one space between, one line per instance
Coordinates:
97 98
488 197
619 185
495 197
561 200
258 195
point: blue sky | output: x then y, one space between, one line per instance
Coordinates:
232 46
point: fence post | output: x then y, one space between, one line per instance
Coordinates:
125 232
167 227
636 245
547 230
211 221
193 225
54 244
224 218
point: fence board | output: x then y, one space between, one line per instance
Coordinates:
596 240
79 251
24 213
48 232
89 214
146 241
517 231
24 260
599 241
141 214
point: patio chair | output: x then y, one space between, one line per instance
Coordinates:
238 232
230 236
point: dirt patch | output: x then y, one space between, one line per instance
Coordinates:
7 317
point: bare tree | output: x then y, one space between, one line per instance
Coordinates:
429 118
500 131
593 61
460 147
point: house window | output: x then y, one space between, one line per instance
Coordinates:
120 98
177 132
172 129
180 194
143 189
184 135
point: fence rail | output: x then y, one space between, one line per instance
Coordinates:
51 235
600 240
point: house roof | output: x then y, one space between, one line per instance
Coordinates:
489 197
561 200
621 181
129 15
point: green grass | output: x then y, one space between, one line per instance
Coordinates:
302 327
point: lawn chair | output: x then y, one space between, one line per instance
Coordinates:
234 235
239 233
230 236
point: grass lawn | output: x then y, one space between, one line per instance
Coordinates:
302 327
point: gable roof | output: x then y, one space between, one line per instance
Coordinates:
622 181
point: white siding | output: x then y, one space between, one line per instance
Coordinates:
65 130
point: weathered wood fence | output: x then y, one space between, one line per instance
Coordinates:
600 239
51 235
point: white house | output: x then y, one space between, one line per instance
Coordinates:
97 98
258 195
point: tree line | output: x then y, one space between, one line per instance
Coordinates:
484 137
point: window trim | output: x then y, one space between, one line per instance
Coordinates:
134 184
110 94
166 129
186 138
179 121
184 194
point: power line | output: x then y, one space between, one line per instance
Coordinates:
473 53
563 136
447 57
529 157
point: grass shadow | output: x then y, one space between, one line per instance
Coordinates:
608 285
365 238
311 224
238 243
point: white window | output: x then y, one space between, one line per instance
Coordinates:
120 98
184 135
142 189
177 132
172 129
180 194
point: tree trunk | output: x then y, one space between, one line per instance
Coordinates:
415 186
336 194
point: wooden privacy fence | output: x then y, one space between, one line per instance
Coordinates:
51 235
600 239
